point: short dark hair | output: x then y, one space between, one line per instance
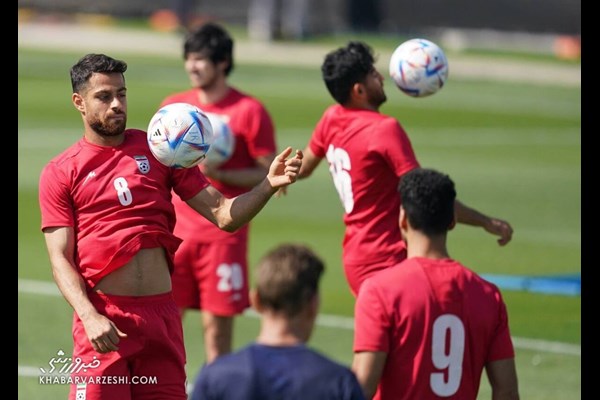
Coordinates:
344 67
212 41
287 278
427 197
93 63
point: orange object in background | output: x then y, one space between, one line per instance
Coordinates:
567 47
164 20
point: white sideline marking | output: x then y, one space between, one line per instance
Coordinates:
27 371
46 288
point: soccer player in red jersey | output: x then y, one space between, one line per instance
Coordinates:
211 269
367 153
108 221
428 327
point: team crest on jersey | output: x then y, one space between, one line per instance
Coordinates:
142 163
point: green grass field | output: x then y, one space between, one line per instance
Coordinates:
512 149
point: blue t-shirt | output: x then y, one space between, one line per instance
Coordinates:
259 372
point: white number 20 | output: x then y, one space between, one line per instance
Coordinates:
448 359
231 277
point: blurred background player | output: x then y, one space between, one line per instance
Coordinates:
108 221
427 327
211 268
279 365
367 153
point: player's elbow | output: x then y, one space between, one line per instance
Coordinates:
227 225
229 228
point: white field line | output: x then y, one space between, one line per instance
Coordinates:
46 288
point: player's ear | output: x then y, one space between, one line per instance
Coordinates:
77 100
453 223
358 89
255 300
403 220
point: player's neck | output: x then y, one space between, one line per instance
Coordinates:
214 93
101 140
280 331
420 245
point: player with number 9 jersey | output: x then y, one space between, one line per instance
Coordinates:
438 336
427 327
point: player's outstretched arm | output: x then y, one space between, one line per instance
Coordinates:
231 214
495 226
101 332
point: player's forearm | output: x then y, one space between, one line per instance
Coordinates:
73 288
469 216
248 177
244 207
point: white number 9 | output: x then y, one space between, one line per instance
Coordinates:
450 359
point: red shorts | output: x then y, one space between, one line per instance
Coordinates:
150 362
357 273
212 276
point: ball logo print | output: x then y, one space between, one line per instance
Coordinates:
179 135
419 67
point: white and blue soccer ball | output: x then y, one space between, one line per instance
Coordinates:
419 67
179 135
223 144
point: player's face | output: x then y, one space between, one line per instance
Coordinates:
202 72
374 85
105 101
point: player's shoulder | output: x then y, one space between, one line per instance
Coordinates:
321 363
245 99
386 123
64 157
487 285
394 279
231 361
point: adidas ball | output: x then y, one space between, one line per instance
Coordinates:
179 135
419 67
223 144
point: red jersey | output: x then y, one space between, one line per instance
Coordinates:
438 322
117 199
254 134
367 153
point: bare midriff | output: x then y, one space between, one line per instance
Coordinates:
147 273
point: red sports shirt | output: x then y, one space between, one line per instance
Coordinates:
439 324
367 153
254 134
117 199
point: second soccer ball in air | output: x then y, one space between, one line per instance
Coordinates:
223 144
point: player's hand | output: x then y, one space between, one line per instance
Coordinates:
284 171
102 333
500 228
